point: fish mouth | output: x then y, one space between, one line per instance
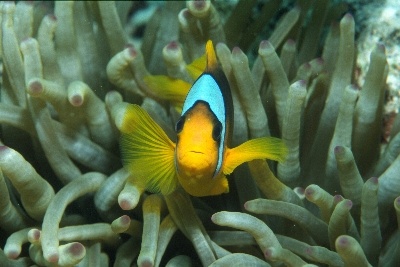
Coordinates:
197 152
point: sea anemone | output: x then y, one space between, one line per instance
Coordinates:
71 68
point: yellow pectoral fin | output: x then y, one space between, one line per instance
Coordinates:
259 148
167 88
147 152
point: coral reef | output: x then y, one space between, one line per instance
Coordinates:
71 68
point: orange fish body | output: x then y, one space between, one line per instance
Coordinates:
201 157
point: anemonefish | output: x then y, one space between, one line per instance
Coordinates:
201 157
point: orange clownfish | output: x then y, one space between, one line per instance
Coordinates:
201 157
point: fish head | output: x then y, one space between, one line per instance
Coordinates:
196 153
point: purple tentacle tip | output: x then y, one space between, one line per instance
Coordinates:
265 44
52 17
76 249
381 47
302 83
337 198
199 4
291 42
309 191
320 61
173 45
53 257
132 51
236 50
349 203
354 87
348 16
35 87
397 203
125 219
268 253
339 150
343 241
374 180
76 100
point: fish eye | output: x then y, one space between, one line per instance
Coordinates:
179 124
217 130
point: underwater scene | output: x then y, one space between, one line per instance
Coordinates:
200 133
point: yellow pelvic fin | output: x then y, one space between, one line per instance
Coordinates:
170 89
259 148
201 188
147 152
222 187
212 63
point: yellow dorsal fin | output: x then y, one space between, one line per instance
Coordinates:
211 56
